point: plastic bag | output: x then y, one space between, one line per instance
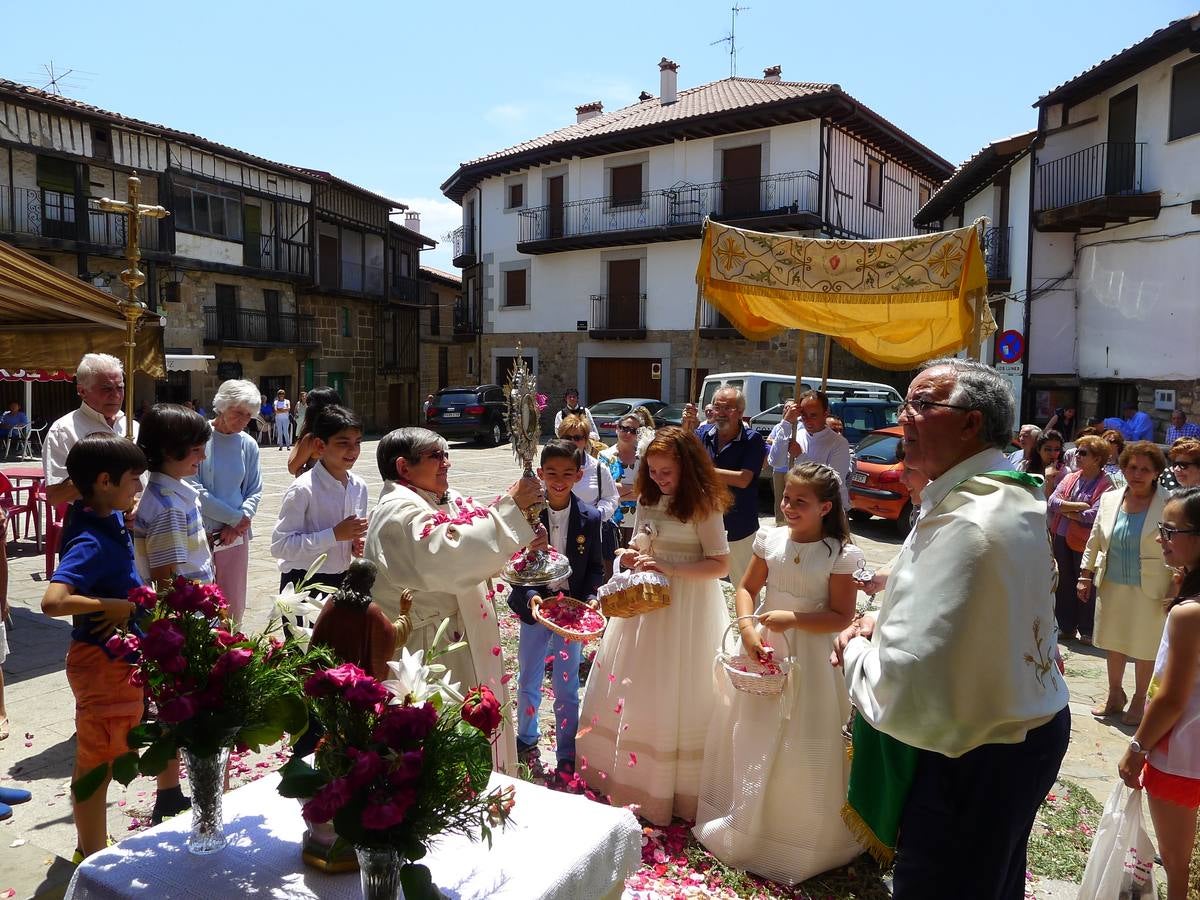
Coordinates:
1120 865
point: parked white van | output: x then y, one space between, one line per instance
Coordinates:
764 390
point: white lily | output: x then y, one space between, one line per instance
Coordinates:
305 606
411 677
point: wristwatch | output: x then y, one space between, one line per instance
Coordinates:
1135 747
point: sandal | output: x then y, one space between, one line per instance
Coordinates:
1109 708
3 727
1133 717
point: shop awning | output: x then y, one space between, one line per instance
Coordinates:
893 303
188 362
49 319
34 375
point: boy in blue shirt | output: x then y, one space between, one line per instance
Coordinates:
96 572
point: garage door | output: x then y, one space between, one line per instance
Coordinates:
608 378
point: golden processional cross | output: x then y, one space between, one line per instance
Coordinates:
133 278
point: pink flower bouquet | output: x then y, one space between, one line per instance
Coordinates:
400 763
212 688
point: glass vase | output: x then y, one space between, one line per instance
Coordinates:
206 774
379 869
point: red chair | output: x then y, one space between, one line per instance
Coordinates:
12 505
54 520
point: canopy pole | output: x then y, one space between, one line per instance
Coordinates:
825 363
802 340
693 394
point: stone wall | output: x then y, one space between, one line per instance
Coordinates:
353 354
1187 398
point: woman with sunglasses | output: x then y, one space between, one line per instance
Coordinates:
595 486
622 462
1125 567
1072 510
1164 755
1185 462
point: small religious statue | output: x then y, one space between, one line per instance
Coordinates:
356 629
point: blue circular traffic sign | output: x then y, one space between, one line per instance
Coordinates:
1010 346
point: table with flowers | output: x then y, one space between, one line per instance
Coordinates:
554 845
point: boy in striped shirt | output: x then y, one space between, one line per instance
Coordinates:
168 527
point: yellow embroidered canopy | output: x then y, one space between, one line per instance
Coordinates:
893 303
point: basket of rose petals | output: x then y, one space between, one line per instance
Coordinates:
751 675
566 616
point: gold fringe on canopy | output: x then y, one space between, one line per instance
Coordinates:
893 303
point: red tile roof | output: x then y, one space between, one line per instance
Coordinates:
450 277
715 107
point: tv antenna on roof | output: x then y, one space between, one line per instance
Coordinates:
731 38
56 79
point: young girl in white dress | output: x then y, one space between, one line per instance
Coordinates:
650 691
775 767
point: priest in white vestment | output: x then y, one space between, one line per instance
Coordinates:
444 547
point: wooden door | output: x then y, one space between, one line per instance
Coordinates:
227 313
1119 165
504 366
396 405
608 378
741 177
624 294
555 196
252 237
328 257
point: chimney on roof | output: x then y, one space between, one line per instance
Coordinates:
644 96
774 73
588 111
668 73
412 220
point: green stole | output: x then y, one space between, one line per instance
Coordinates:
882 768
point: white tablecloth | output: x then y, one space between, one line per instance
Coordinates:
555 845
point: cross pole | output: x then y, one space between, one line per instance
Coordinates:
132 277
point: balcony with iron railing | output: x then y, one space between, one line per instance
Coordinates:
54 216
466 323
406 289
995 253
618 316
463 239
1094 187
788 201
256 328
275 254
715 325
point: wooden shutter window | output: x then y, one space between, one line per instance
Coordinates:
516 195
874 182
514 288
1185 99
627 185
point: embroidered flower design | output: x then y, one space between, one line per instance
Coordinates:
466 511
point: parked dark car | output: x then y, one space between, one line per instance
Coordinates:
669 415
607 413
470 412
860 416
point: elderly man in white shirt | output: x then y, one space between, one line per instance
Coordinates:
100 382
817 442
957 675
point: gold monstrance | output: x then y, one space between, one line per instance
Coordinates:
133 278
524 427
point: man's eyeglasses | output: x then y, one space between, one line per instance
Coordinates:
1184 464
919 406
625 429
1167 533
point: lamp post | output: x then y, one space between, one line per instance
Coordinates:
132 277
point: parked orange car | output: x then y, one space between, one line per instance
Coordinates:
875 485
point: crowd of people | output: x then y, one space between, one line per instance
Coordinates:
961 716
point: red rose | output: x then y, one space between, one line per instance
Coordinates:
482 709
144 597
177 709
231 660
366 694
381 816
163 638
401 726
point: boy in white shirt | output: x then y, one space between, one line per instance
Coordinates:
325 509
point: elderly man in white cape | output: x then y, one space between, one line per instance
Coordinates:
444 547
963 718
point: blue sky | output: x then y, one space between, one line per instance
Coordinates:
393 95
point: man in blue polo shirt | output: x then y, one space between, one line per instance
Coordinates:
738 453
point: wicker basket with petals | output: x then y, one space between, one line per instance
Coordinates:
749 674
538 606
629 594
